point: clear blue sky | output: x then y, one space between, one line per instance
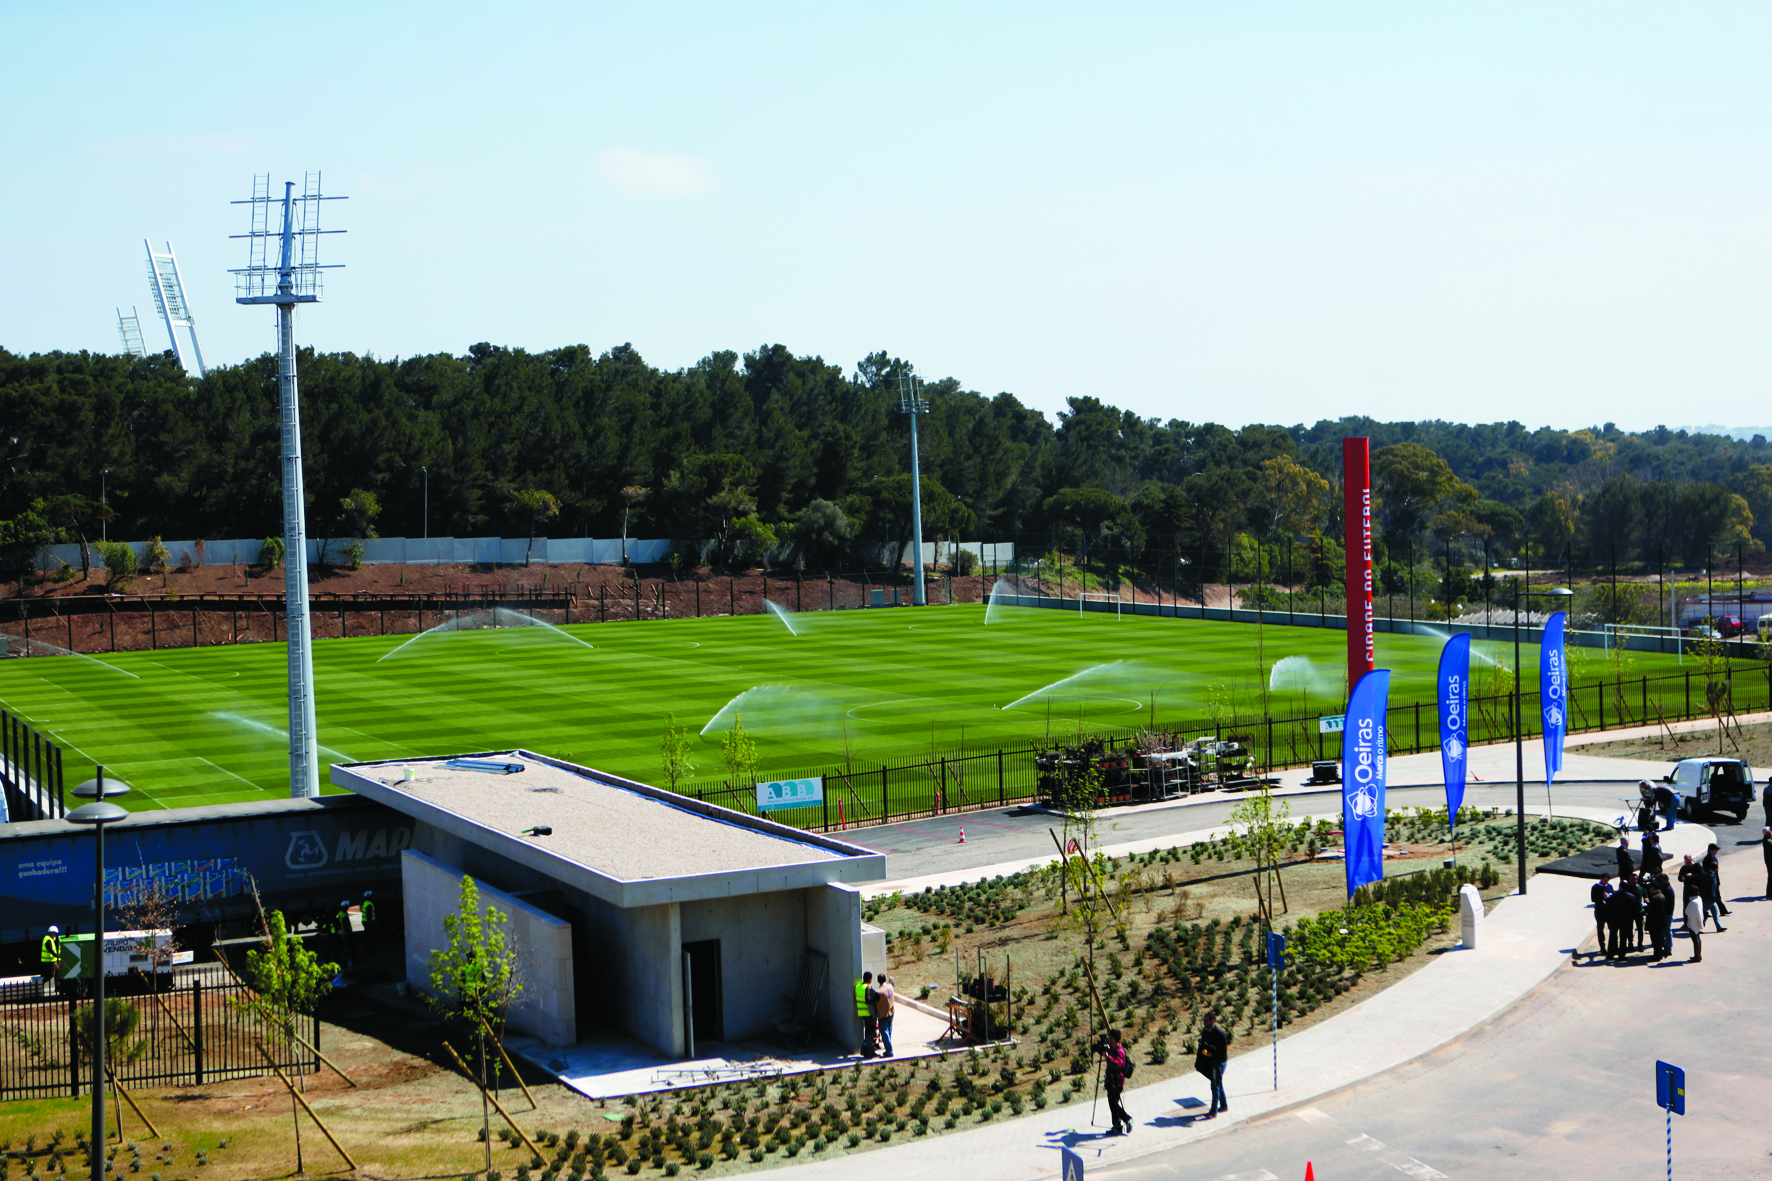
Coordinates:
1229 212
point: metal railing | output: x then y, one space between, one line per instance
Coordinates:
188 1036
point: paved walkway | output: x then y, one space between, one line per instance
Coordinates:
1526 939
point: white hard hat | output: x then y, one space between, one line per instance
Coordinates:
367 893
55 930
345 904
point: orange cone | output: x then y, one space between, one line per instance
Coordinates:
1310 1174
962 836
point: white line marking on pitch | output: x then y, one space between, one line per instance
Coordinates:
225 771
1396 1160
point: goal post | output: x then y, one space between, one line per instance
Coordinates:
1098 597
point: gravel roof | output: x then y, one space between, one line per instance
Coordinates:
625 834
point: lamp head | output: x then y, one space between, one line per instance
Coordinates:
92 788
98 812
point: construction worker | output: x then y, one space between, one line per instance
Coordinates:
865 1011
347 942
52 955
371 932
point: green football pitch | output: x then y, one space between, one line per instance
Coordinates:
200 726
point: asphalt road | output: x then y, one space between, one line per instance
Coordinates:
994 836
1561 1085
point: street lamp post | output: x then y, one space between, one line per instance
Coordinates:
98 814
104 527
1519 736
427 472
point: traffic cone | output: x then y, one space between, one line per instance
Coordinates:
962 836
1310 1174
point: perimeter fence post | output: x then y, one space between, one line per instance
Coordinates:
197 1029
885 800
1001 797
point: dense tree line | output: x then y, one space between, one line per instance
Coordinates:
774 453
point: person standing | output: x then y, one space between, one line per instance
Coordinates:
1713 869
881 1001
1660 905
1652 855
371 929
1766 852
1621 921
1627 868
347 936
1215 1049
1113 1056
51 954
1598 895
1695 928
865 1012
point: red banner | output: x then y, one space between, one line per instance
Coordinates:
1356 491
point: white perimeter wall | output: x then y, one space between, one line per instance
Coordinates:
546 1007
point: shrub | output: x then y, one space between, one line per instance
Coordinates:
120 564
270 554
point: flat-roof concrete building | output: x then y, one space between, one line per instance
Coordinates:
632 909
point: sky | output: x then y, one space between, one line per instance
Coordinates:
1275 212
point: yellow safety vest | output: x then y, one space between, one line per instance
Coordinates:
861 1000
52 950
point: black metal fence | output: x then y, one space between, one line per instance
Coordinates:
188 1036
30 772
862 793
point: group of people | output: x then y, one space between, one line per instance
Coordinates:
875 1005
1214 1052
1640 908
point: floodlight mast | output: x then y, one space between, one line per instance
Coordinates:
130 329
911 402
169 297
295 278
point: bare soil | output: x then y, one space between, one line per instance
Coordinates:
1752 743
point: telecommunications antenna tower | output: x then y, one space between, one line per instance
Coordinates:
169 298
911 402
283 276
130 329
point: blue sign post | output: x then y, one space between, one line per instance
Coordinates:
1072 1168
1454 701
1670 1094
1363 779
1276 962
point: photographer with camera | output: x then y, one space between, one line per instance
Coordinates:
1117 1069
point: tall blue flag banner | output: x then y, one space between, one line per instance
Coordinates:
1455 697
1553 694
1362 778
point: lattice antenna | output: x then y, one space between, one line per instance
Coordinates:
911 402
283 253
130 329
169 298
283 269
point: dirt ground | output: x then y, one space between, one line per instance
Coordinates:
1753 743
414 1115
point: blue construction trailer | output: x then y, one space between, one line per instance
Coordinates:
303 855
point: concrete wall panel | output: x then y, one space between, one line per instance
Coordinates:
546 1007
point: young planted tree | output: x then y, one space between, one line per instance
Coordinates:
739 754
120 564
474 979
1264 823
288 981
674 750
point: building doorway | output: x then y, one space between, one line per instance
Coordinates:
702 984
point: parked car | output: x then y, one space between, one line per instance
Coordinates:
1708 787
1703 631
